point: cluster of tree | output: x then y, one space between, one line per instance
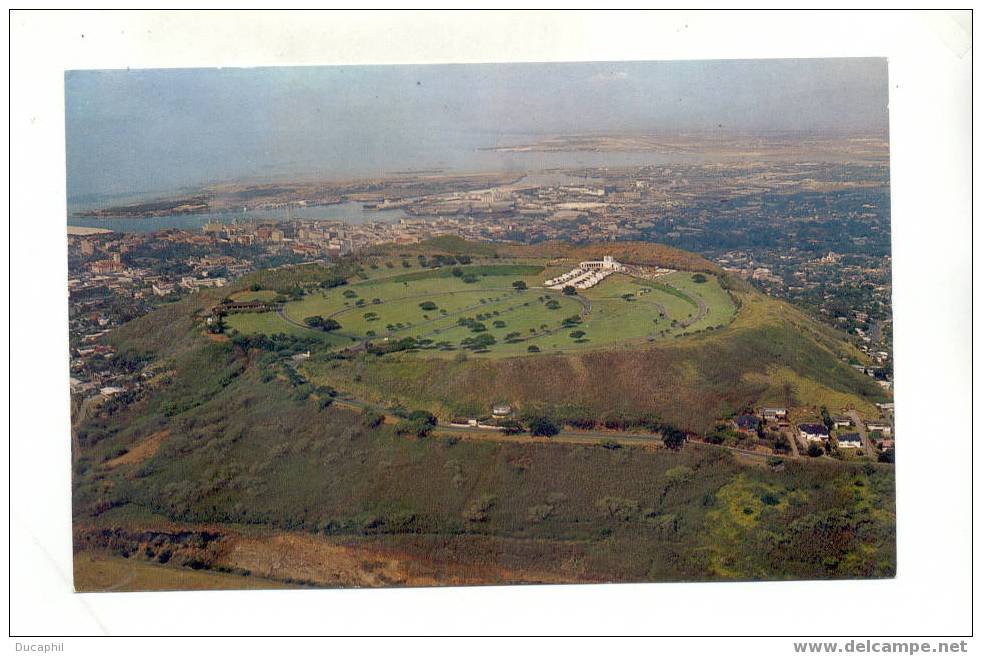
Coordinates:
440 260
294 293
393 346
473 324
418 423
540 425
217 324
278 342
478 342
335 280
320 323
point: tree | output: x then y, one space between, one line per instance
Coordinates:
533 348
423 415
470 278
543 427
673 438
415 427
520 285
814 450
569 290
827 419
320 323
699 278
781 443
217 324
429 306
577 334
457 272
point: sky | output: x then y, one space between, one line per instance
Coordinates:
141 131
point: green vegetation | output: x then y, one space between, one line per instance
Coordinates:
320 323
249 453
247 436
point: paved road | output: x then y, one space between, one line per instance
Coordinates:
793 439
868 447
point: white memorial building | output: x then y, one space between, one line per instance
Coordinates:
586 274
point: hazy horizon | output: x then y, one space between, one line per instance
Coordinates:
149 131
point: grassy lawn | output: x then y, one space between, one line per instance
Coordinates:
393 300
260 295
271 323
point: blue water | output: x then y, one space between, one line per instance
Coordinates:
467 160
348 212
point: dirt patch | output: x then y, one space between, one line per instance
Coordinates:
141 451
332 561
347 562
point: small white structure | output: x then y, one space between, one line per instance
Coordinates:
501 410
111 390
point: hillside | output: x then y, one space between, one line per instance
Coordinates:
769 354
232 465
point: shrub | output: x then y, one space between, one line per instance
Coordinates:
371 418
512 427
415 427
543 427
321 323
569 290
673 438
429 306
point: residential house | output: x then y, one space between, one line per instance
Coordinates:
748 423
881 427
813 432
849 441
774 414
